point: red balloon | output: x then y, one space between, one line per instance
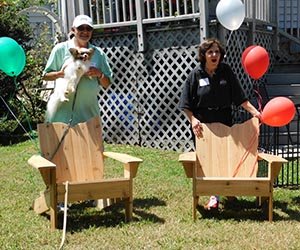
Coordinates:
278 112
256 61
245 53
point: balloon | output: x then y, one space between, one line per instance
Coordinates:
245 53
12 59
230 13
255 60
278 112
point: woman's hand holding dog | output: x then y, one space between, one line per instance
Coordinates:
52 76
102 79
94 72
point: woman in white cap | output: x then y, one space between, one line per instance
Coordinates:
86 104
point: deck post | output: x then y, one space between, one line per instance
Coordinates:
203 7
140 32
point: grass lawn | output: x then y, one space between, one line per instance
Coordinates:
162 212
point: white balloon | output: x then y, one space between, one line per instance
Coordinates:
231 13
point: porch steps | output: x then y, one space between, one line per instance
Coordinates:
287 68
284 84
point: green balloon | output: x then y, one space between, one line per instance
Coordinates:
12 59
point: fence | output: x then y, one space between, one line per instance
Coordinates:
270 142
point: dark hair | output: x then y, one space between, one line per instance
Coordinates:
205 46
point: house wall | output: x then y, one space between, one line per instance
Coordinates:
289 16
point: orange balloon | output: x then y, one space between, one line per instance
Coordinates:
256 61
278 112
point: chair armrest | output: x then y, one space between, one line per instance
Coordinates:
40 162
131 163
46 168
275 164
271 158
188 161
187 157
121 157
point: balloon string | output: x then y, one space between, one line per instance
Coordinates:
18 121
227 43
259 98
245 155
252 140
25 111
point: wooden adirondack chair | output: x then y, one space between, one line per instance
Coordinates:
226 163
75 155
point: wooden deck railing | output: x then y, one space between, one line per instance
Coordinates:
118 13
124 12
108 13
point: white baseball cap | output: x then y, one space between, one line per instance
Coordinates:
81 20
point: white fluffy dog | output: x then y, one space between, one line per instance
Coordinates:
74 69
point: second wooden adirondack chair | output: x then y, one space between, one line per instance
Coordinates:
226 162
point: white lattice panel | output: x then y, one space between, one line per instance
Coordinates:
141 106
118 104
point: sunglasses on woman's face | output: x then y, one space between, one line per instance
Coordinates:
84 28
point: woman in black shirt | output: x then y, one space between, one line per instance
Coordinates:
211 89
209 93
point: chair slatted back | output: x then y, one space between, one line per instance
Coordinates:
80 154
222 149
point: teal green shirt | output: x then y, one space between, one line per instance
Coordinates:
86 103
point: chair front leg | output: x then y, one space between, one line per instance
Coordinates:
195 204
128 208
270 208
53 200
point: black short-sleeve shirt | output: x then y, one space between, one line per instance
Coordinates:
210 98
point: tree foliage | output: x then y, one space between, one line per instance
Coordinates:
21 95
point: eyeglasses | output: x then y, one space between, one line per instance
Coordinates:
84 28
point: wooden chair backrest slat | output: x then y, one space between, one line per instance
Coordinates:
222 149
80 154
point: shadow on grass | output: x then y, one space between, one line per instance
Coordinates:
242 210
286 208
296 200
83 215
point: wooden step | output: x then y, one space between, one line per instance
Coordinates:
286 68
283 84
283 78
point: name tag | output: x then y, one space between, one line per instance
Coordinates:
223 82
204 82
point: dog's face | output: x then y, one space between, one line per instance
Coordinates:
82 54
